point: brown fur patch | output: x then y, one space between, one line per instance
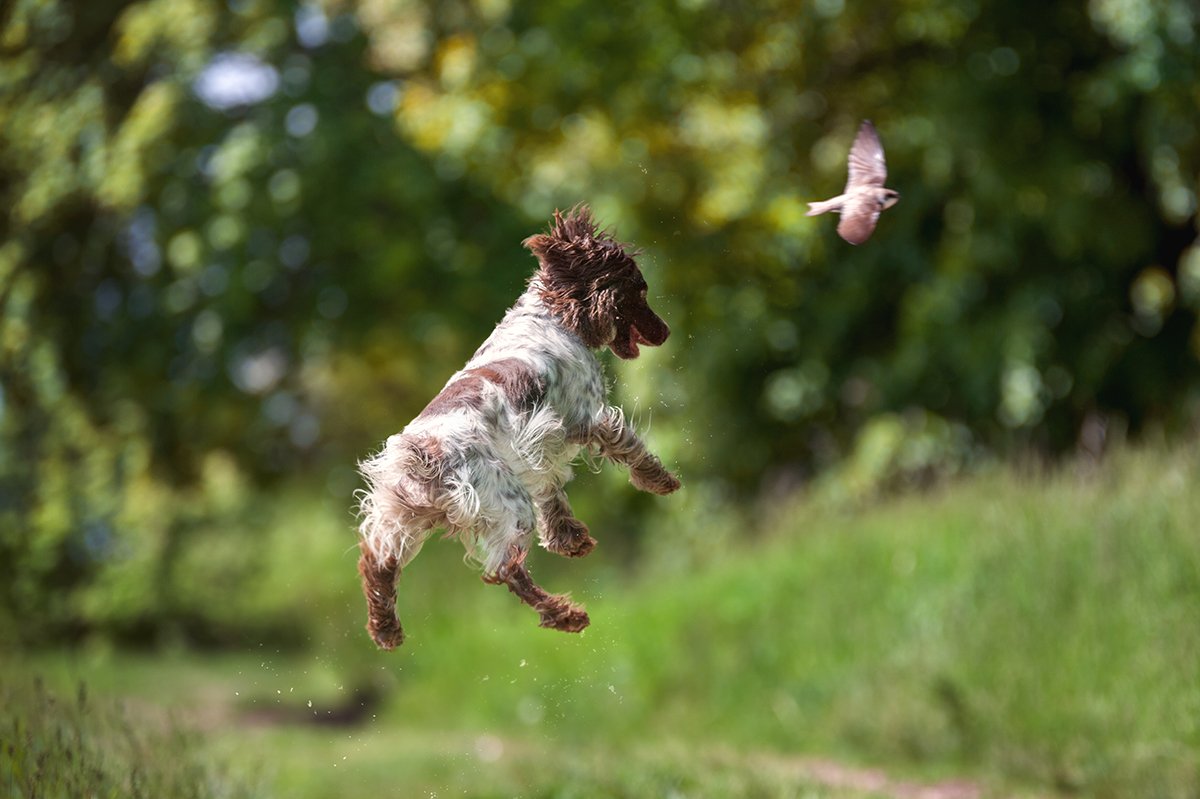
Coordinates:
429 448
466 392
652 477
413 498
379 587
523 387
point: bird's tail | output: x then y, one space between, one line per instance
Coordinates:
824 206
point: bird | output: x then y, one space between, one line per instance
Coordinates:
865 195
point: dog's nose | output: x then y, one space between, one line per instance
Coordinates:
651 329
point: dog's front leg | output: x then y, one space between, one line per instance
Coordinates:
618 442
559 530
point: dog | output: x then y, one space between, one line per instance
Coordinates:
487 458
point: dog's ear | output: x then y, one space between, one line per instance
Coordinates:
597 321
539 245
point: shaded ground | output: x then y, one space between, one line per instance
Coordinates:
835 777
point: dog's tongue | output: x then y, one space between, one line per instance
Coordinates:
635 338
627 347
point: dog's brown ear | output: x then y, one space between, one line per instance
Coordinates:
539 245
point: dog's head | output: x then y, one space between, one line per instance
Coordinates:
591 282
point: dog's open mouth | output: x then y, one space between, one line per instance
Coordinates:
627 345
635 338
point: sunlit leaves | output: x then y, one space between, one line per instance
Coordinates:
123 181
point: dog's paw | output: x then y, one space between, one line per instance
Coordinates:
657 481
577 547
573 621
561 615
570 539
386 633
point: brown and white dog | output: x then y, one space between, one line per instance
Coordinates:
488 458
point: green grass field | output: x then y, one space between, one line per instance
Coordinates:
1017 633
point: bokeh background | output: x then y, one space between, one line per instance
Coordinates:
242 242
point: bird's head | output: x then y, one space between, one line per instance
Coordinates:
889 198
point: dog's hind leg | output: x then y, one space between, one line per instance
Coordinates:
557 611
502 544
379 586
559 530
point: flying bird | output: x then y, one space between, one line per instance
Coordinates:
865 196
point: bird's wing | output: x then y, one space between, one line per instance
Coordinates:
867 167
859 215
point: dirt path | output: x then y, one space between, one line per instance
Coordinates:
832 774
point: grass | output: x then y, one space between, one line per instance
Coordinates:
54 746
1032 632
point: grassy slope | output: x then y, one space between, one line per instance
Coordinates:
1041 631
1042 627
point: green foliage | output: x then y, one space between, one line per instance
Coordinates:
173 294
61 749
893 453
282 281
1027 277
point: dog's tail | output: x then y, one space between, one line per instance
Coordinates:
400 503
379 586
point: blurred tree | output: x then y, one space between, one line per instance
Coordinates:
1036 270
247 239
203 208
